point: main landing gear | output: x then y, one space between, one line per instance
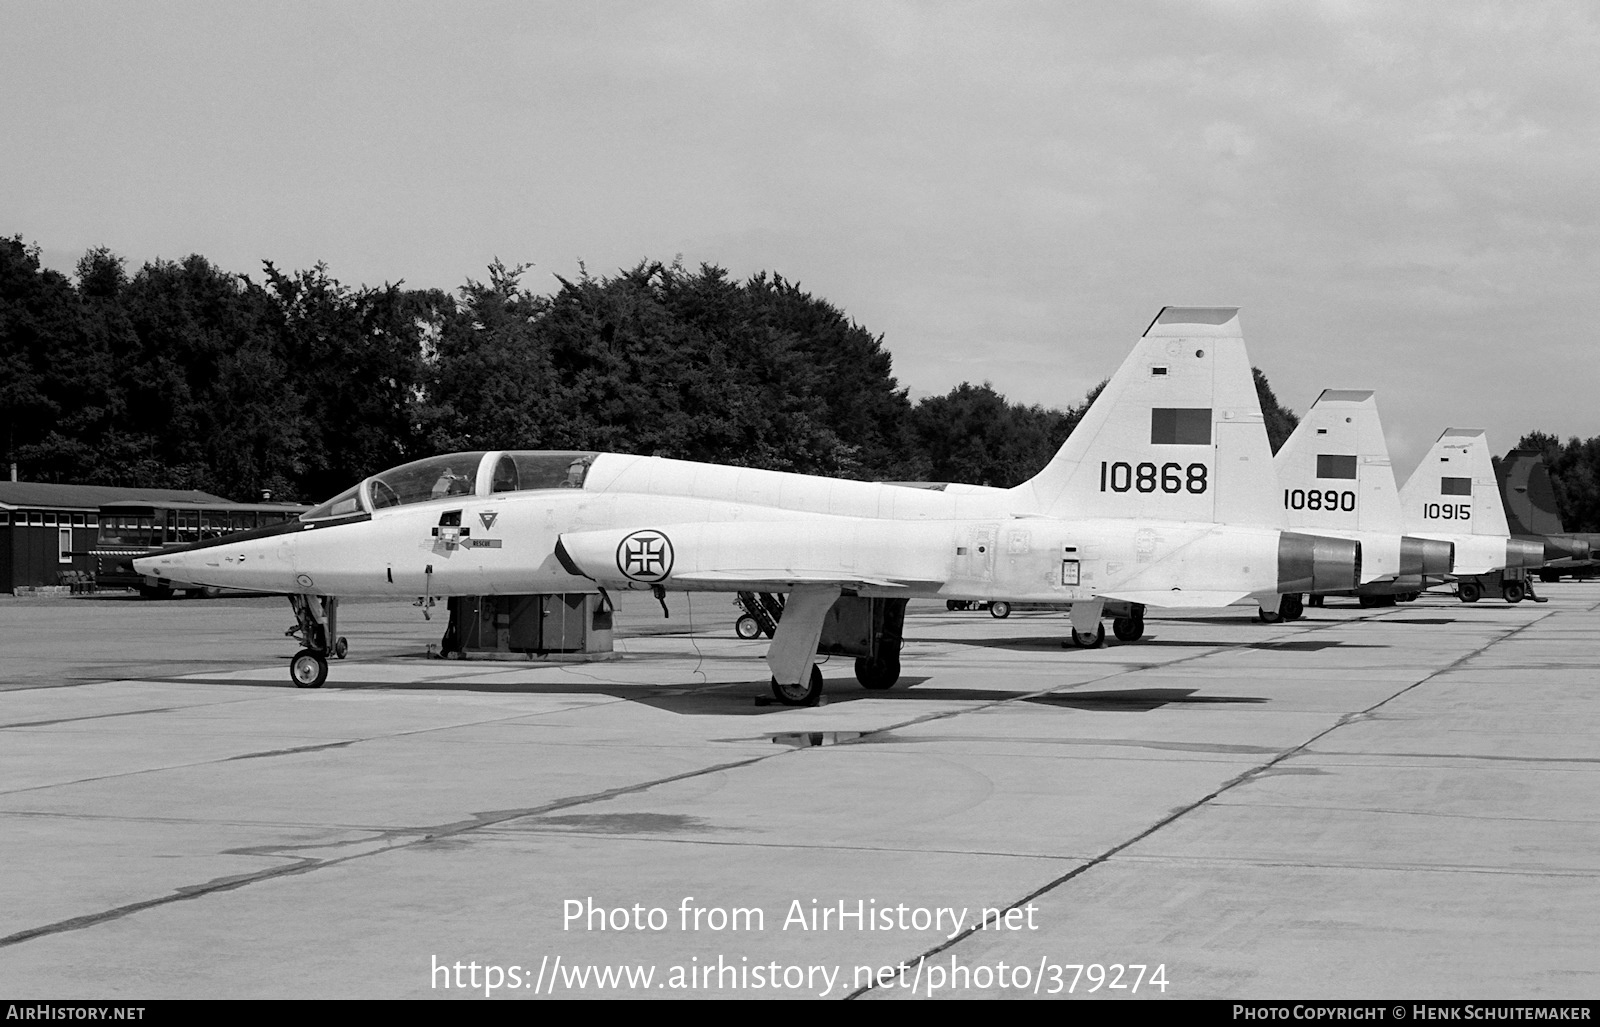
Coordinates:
1131 627
1290 607
871 630
1092 639
316 621
798 694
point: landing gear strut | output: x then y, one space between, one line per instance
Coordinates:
316 621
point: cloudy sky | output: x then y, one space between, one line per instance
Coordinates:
1400 196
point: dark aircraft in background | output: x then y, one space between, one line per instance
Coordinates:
1530 502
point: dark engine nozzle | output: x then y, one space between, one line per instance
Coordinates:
1566 547
1316 563
1426 556
1522 552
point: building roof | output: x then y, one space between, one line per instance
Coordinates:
90 497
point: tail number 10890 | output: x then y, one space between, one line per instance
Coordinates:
1147 477
1319 499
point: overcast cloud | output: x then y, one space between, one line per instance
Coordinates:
1401 196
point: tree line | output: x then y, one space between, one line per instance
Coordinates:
185 375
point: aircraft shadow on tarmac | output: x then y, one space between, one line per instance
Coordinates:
1136 700
754 698
1050 644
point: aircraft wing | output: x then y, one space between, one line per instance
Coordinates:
1177 597
782 579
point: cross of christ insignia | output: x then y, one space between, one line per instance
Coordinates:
645 556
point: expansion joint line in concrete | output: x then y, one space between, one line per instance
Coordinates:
1204 800
303 865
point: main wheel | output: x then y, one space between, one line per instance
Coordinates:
1268 616
878 674
800 695
1090 639
747 627
1470 591
1293 607
308 669
1514 591
1128 629
954 604
999 609
1314 600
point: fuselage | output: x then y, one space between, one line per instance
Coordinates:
719 521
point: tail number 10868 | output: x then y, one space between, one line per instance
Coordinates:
1147 477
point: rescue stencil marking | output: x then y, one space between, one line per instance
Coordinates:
645 556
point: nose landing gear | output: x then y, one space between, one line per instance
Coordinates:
316 621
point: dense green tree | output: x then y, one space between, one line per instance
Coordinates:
1574 468
38 317
182 374
973 435
1281 422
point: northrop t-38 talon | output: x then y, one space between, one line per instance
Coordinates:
1164 495
1337 480
1453 496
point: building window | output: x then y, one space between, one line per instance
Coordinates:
35 518
77 520
64 545
94 520
49 520
5 516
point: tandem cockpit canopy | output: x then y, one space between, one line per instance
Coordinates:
459 474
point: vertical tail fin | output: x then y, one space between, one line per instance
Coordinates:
1176 435
1335 470
1454 490
1528 494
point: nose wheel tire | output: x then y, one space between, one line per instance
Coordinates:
341 647
1090 639
999 610
747 627
308 669
798 695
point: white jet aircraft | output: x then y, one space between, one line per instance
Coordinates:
1337 480
1453 496
1139 507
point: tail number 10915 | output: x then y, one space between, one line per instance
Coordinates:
1147 477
